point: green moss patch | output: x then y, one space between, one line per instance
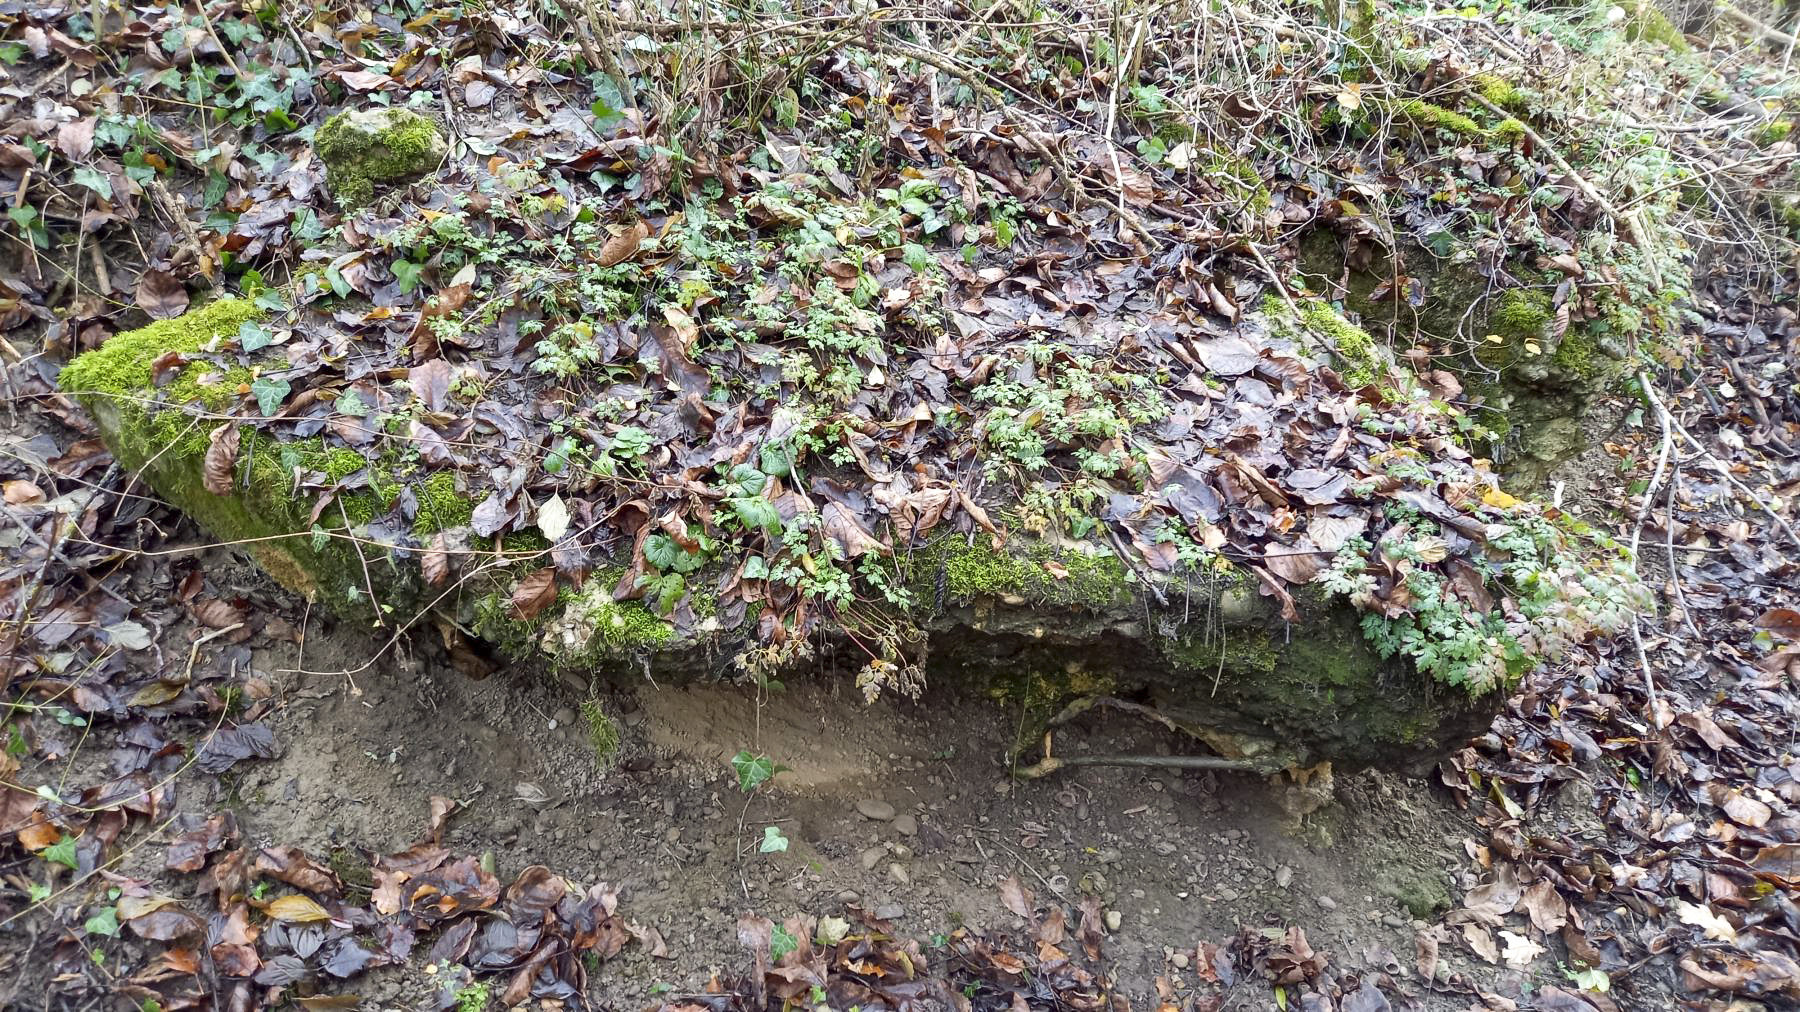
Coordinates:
1357 358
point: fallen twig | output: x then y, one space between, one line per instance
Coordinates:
1051 764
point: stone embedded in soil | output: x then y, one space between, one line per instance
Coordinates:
384 144
905 824
875 808
1038 621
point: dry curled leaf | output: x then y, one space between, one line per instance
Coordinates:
1015 897
1715 926
623 244
435 563
219 467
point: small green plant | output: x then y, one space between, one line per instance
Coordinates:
603 734
781 942
754 769
1563 586
473 997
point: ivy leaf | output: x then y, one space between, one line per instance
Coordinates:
278 121
61 852
558 457
26 217
269 300
772 842
94 180
752 770
339 284
350 403
106 922
407 273
270 393
781 942
607 102
253 336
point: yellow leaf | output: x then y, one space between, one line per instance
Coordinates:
1495 339
1498 499
1532 348
297 909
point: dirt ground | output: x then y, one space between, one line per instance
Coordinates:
1182 858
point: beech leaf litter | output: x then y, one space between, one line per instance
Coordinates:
918 330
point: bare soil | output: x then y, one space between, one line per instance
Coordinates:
1183 858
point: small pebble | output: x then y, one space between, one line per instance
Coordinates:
905 824
564 716
871 856
1113 920
875 808
1180 959
1284 875
890 912
898 873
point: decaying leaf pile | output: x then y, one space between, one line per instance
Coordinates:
731 364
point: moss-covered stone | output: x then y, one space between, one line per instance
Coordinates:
363 147
1072 575
1041 620
1500 339
1521 314
1421 892
1358 361
1645 22
1240 181
163 435
441 505
592 630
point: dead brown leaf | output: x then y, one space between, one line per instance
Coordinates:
533 594
219 466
